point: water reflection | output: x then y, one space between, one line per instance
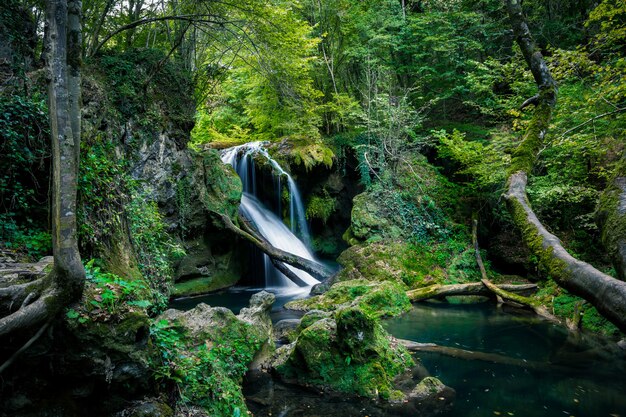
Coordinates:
583 376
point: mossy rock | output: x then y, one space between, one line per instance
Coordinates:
374 262
207 350
306 153
223 186
367 221
204 285
377 299
350 353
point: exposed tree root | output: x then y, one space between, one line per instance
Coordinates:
14 296
45 307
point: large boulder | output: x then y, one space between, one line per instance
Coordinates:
207 350
349 353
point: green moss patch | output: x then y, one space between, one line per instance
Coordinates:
382 299
203 285
351 353
205 353
566 305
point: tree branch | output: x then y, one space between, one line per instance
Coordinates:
317 270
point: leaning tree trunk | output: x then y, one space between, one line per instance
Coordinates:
66 280
606 293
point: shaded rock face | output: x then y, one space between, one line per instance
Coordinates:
188 187
170 173
78 369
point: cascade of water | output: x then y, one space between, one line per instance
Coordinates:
267 223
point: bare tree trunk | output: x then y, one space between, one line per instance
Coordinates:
64 97
606 293
98 27
65 283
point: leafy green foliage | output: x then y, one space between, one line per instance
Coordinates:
267 91
207 374
33 243
156 250
24 161
108 297
321 207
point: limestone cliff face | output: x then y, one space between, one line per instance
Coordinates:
145 130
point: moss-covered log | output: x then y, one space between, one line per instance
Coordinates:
472 288
606 293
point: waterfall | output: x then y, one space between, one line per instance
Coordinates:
296 238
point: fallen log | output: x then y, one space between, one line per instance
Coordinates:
534 305
606 293
247 226
316 269
472 288
469 354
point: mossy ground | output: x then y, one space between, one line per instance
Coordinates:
376 299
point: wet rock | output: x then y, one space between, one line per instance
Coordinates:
147 408
285 329
258 314
258 386
622 344
429 397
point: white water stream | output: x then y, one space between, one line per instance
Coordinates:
268 224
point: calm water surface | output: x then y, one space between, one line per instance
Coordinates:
579 376
582 377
